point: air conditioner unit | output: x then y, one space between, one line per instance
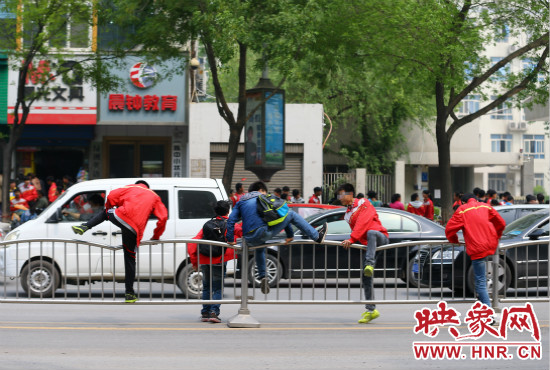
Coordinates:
512 126
514 167
522 126
517 126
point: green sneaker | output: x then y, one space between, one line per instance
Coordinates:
130 298
368 271
80 229
368 316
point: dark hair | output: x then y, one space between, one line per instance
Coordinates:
395 197
277 190
295 193
530 197
491 192
257 186
372 194
481 193
96 199
222 208
427 192
540 198
231 191
286 189
144 183
316 189
238 186
476 191
506 194
360 196
50 178
347 187
284 196
495 202
466 197
510 198
414 196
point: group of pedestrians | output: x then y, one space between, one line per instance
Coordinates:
494 199
284 193
30 195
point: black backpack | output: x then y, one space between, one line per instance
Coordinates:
213 230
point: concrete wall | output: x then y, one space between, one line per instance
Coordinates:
303 125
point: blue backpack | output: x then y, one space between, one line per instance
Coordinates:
272 209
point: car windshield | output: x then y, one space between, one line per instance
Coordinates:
521 225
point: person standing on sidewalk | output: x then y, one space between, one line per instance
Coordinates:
212 265
134 203
482 228
256 232
366 229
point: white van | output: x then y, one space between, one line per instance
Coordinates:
188 200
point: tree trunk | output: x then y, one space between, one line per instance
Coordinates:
6 175
233 146
444 156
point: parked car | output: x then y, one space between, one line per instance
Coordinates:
449 266
44 267
513 212
308 260
310 209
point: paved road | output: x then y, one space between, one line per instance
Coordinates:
71 336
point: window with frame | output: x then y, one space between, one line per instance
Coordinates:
501 74
533 146
469 105
196 204
83 206
501 143
497 181
539 179
71 31
502 111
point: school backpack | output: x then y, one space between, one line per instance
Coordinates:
272 209
214 230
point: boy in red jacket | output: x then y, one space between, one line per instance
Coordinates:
211 267
134 203
482 228
366 229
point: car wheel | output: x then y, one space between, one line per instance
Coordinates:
502 286
190 282
40 279
273 271
409 276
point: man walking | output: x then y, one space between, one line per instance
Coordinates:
256 232
366 229
482 227
134 203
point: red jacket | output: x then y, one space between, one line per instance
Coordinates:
314 199
192 249
482 227
421 211
429 209
362 217
134 205
28 192
51 192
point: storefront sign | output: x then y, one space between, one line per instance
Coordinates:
147 96
177 159
60 99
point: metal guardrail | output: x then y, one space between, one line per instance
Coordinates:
303 272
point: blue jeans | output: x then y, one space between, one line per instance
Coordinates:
264 233
211 274
374 239
481 281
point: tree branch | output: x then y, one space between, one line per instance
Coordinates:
477 81
501 99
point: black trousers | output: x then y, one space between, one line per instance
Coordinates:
129 242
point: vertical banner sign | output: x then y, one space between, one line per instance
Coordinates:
177 170
253 147
274 122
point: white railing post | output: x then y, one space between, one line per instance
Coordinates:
243 319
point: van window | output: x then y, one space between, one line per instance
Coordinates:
196 204
163 194
83 206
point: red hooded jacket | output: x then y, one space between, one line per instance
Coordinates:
134 205
482 227
205 260
362 217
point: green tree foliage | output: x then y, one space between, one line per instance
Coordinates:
36 37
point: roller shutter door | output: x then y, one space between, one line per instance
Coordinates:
291 176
